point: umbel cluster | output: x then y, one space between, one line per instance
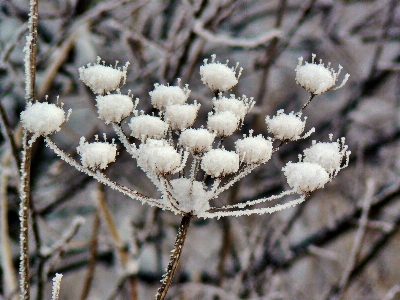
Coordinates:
177 157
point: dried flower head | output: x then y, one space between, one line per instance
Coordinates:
42 118
285 126
96 155
164 95
113 108
219 77
102 79
316 78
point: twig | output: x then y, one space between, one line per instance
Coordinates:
392 293
338 290
93 256
9 279
248 43
25 191
175 256
122 253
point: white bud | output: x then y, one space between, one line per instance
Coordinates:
220 162
285 126
114 108
96 155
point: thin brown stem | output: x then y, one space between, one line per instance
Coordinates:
308 101
25 191
175 256
93 256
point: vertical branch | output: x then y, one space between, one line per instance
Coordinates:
175 256
10 284
25 192
122 253
93 255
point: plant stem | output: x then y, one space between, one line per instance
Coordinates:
25 191
175 256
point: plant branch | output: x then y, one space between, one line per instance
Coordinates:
175 256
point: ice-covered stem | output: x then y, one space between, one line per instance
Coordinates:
23 217
56 287
175 256
100 177
30 79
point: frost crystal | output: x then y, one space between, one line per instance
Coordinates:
223 124
163 95
305 177
316 78
285 127
254 150
220 162
114 108
158 157
42 118
327 155
190 196
218 77
196 141
146 126
181 116
102 79
238 106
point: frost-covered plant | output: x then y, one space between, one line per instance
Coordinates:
178 158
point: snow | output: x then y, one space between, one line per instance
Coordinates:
285 126
327 155
254 150
196 141
181 116
96 155
113 108
164 95
238 106
102 79
158 157
42 118
305 177
218 77
220 162
56 286
223 124
190 195
145 126
316 78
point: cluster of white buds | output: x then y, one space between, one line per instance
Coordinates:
316 78
177 157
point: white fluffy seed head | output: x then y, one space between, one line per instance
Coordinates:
196 141
223 124
145 126
42 118
181 116
327 155
164 95
114 108
254 150
96 155
305 177
316 78
218 77
102 79
190 195
238 106
285 126
158 157
220 162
